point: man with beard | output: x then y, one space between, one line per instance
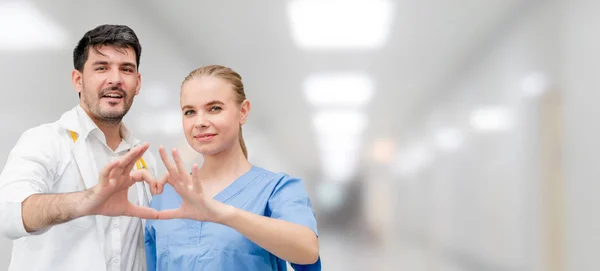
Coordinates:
72 193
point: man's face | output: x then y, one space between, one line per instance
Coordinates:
108 84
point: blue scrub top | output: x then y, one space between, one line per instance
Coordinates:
183 244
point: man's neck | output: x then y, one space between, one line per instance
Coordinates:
112 132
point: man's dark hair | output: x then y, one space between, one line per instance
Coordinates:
120 36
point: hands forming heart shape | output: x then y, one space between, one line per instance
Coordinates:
109 196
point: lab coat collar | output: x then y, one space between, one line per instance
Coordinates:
78 121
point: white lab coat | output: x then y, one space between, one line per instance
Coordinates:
46 160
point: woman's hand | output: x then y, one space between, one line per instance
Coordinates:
196 205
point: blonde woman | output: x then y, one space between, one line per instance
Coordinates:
227 214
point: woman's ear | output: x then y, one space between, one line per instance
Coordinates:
244 111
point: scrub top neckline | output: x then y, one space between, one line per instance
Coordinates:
238 185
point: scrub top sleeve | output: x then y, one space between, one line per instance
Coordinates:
290 202
150 232
307 267
150 245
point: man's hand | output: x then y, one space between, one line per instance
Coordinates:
109 196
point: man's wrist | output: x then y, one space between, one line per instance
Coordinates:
81 200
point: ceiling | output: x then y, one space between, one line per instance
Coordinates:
427 41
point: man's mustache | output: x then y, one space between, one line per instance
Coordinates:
113 89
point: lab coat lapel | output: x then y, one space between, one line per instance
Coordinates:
86 163
83 158
80 150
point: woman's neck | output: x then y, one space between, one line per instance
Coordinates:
225 166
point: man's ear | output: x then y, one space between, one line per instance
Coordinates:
77 80
139 85
244 110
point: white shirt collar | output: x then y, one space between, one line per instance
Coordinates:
89 126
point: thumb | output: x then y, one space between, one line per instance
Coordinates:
161 183
170 214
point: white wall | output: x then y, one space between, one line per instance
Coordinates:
580 68
479 207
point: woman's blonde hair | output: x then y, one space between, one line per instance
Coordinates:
232 78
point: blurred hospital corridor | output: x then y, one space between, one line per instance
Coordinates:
431 135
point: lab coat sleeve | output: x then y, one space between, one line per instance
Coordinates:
30 169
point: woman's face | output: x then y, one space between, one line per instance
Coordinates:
211 114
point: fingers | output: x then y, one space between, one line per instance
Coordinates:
107 171
145 176
180 187
176 184
141 212
168 164
174 173
133 156
179 163
197 185
170 214
127 161
161 183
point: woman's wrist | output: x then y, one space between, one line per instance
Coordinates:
226 213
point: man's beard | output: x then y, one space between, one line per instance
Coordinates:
111 117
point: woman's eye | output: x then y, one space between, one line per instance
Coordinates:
189 112
215 108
